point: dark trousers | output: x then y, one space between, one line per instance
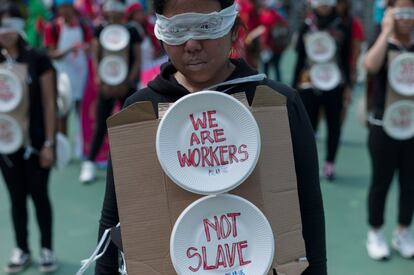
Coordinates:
274 62
387 157
104 109
26 178
332 102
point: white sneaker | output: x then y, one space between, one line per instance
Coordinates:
48 262
88 172
19 261
403 242
377 247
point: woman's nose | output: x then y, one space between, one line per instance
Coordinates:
193 45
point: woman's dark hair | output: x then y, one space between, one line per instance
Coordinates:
159 5
12 10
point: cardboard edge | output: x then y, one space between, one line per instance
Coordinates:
137 112
265 96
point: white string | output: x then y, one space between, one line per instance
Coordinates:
122 269
250 78
105 239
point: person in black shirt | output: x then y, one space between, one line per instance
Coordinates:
26 170
314 93
196 64
108 95
389 152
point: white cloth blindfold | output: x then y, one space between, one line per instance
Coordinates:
404 13
13 24
180 28
317 3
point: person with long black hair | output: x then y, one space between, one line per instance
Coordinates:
26 169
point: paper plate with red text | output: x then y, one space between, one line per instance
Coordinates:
113 70
11 135
399 120
320 46
401 74
114 37
222 234
11 91
326 76
208 142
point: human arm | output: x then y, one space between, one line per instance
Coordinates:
300 57
108 263
310 197
376 54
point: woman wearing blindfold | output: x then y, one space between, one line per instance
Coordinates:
390 61
198 36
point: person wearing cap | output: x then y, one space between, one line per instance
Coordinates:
313 88
389 151
67 39
26 171
109 94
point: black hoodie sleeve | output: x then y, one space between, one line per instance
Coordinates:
301 56
108 263
310 197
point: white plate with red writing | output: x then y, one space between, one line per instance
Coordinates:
208 142
114 37
398 120
11 135
222 234
401 74
320 46
325 77
11 91
113 70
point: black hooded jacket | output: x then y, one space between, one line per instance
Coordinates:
165 88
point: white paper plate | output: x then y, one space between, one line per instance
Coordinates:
113 70
325 77
398 120
63 151
11 91
320 47
64 99
114 37
401 74
11 135
251 229
233 121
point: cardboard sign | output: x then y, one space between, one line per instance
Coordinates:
320 46
399 120
401 74
11 91
114 37
149 203
325 77
208 142
223 234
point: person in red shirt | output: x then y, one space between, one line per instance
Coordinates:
274 40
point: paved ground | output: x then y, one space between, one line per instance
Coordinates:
77 210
